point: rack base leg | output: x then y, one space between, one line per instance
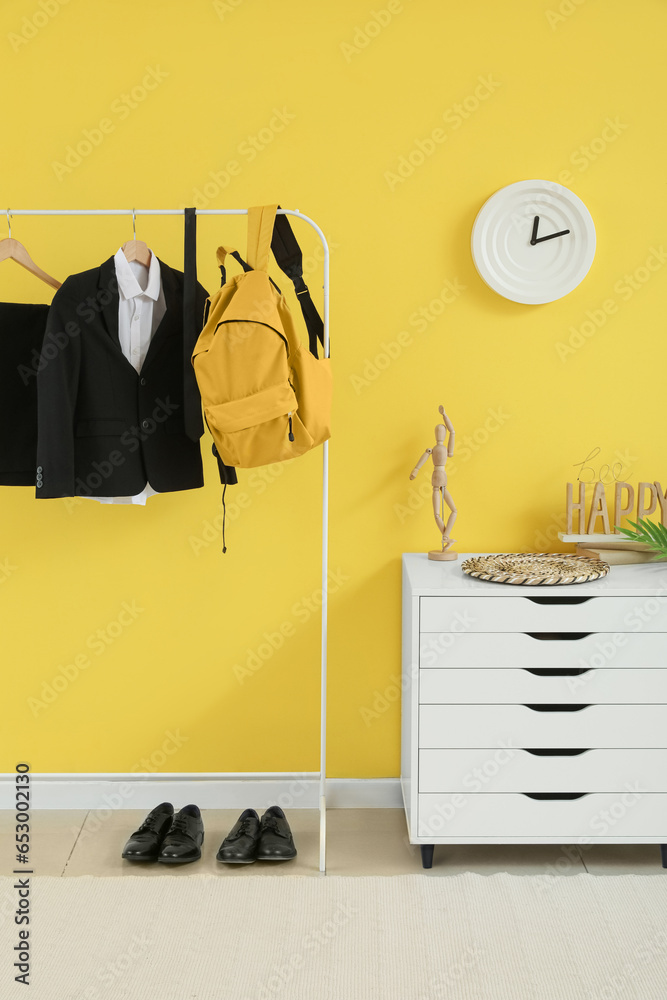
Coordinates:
663 854
323 834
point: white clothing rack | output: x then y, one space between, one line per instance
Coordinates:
321 774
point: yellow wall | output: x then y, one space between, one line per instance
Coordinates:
354 101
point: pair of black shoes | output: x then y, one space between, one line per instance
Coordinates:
254 839
174 839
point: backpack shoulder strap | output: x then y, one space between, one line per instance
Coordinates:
260 230
221 254
289 259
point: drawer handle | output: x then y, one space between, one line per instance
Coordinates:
557 671
555 752
556 708
560 600
554 795
558 636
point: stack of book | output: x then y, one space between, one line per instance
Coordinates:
613 549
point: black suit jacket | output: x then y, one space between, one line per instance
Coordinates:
103 428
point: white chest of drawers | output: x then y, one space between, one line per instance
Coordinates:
534 715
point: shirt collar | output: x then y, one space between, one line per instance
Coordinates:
127 283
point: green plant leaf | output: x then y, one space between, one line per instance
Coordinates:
652 530
658 535
653 535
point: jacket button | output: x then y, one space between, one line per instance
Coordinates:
145 424
142 381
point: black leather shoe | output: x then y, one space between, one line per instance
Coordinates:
275 839
145 843
184 840
240 845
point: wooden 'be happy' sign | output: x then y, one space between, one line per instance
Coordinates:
643 500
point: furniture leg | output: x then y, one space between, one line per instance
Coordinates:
663 852
427 855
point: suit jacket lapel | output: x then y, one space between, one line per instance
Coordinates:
107 297
172 316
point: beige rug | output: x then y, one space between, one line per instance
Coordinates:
411 937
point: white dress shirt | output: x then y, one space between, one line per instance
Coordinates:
141 307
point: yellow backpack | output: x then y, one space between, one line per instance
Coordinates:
266 398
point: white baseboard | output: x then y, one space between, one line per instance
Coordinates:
143 791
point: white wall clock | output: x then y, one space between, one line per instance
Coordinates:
533 241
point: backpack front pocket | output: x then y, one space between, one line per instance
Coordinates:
256 430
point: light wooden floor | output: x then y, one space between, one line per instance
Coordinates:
360 842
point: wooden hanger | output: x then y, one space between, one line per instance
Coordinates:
11 249
136 249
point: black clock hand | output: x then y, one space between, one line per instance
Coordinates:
553 236
533 238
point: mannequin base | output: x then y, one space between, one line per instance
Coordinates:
439 556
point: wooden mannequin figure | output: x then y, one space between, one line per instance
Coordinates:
441 495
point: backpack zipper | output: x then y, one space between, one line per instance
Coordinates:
257 322
289 415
